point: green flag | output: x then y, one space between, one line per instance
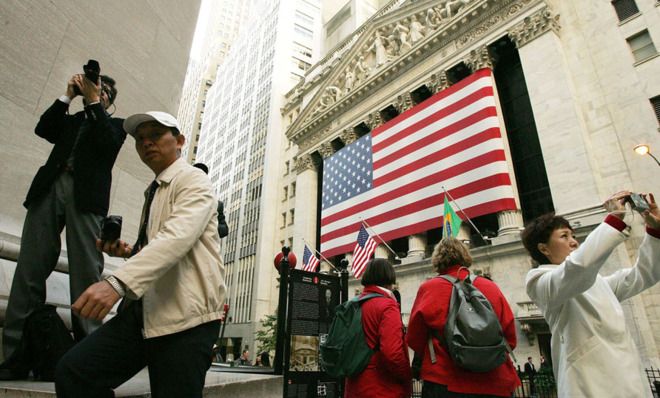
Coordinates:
451 222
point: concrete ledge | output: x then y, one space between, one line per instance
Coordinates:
218 384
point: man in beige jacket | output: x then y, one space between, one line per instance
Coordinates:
172 284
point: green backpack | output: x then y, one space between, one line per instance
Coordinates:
344 352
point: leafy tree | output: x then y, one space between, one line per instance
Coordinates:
266 334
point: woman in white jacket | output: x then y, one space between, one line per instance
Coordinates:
592 350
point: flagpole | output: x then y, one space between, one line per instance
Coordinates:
321 255
396 257
461 210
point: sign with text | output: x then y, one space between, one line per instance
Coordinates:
313 298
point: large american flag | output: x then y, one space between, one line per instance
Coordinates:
392 178
362 252
310 262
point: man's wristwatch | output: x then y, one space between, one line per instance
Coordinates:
117 285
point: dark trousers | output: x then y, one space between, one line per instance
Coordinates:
40 250
117 351
432 390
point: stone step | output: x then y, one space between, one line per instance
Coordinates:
218 384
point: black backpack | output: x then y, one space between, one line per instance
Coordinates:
47 339
345 352
473 334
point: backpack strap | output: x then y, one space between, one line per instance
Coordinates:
367 297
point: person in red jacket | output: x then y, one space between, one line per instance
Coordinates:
387 374
444 378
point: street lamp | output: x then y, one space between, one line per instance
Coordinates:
644 149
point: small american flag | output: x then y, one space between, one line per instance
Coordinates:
393 177
310 262
362 253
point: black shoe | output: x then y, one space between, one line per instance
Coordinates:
10 373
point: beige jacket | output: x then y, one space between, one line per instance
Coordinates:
179 274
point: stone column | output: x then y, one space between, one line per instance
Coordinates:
417 246
306 211
479 59
509 221
559 121
438 82
348 136
403 102
382 251
374 120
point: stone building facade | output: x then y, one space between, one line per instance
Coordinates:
577 88
144 47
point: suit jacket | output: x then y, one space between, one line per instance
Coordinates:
593 352
223 229
529 369
101 138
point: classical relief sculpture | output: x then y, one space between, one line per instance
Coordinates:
379 48
349 80
416 30
452 7
361 69
401 32
432 19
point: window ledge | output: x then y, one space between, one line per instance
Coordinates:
646 59
630 18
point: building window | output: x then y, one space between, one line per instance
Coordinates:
286 193
625 9
293 184
641 46
292 212
655 103
286 167
283 219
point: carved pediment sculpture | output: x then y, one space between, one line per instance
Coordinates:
389 37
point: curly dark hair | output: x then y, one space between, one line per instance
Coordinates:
449 252
539 231
111 83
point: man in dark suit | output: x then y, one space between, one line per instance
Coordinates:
530 372
72 189
223 228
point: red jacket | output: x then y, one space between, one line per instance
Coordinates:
430 312
388 373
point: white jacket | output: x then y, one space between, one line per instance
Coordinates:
592 350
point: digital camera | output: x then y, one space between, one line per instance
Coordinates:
111 228
92 72
637 202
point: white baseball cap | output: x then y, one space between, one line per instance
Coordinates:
132 122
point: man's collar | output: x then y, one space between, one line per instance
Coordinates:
172 170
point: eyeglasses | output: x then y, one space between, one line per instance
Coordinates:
107 90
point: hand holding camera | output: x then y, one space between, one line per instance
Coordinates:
651 214
616 204
87 84
109 241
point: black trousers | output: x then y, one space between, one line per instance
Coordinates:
432 390
115 352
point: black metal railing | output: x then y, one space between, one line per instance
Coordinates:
542 386
653 376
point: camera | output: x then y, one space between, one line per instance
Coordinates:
92 71
637 202
111 228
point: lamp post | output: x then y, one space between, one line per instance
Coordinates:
644 149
